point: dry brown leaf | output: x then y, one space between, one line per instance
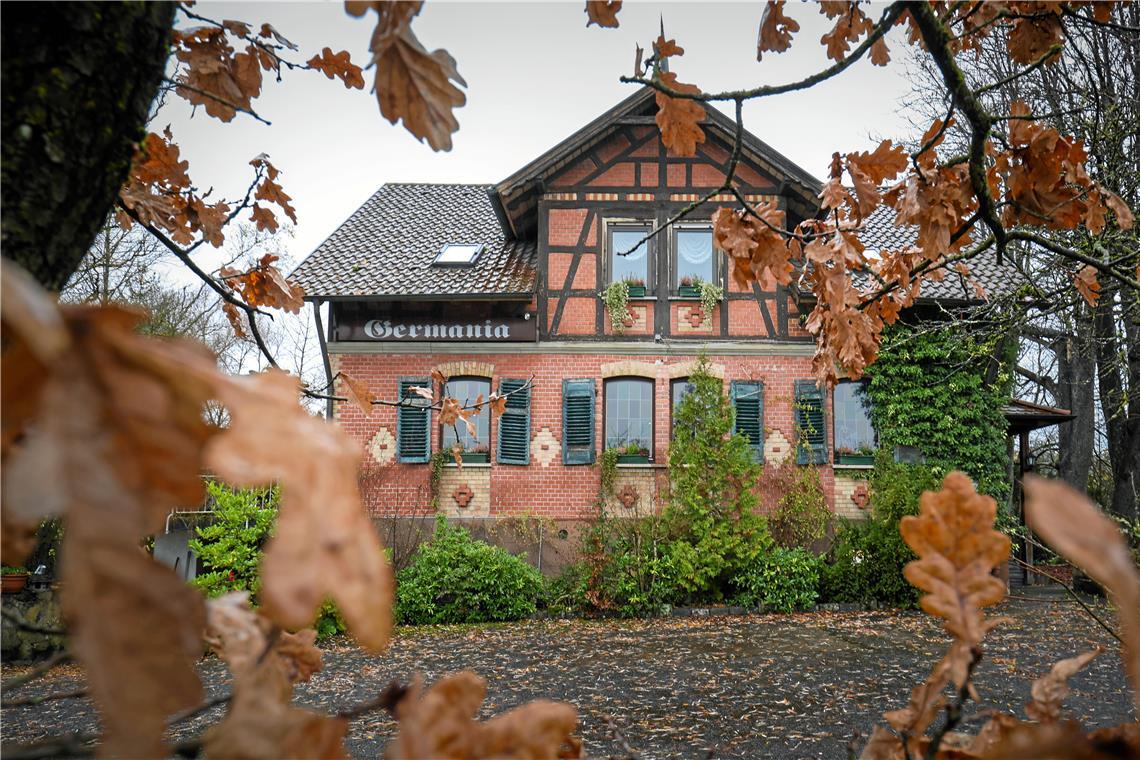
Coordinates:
1072 526
679 118
117 443
340 65
776 29
1087 284
236 319
358 393
1066 740
1049 691
883 745
1124 218
422 392
262 725
603 13
411 84
440 723
324 546
957 546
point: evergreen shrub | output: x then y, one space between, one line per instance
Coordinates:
456 579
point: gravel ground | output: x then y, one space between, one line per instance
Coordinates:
787 686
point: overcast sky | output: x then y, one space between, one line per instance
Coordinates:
535 75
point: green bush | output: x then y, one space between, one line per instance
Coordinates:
455 579
801 516
867 559
230 546
566 593
782 580
709 531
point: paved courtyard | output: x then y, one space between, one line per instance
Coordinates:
787 686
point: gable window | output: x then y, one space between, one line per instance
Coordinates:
634 268
458 254
693 258
855 438
680 389
629 416
467 390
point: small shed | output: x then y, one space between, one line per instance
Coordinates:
1024 417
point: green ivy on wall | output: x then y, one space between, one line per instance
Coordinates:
929 389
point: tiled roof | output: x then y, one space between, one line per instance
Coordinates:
879 232
386 248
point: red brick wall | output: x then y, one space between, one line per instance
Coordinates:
555 491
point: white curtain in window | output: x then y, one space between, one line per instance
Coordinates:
694 248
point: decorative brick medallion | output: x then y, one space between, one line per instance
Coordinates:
463 495
545 448
696 316
629 496
861 496
382 447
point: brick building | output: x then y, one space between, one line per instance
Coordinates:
498 285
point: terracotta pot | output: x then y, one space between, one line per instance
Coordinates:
14 582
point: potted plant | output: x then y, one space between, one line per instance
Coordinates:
689 287
635 286
616 299
863 456
711 296
14 579
480 454
633 453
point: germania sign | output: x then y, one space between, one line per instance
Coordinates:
498 329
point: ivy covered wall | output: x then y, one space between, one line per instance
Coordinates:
936 389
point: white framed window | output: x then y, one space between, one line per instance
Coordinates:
693 255
458 254
624 261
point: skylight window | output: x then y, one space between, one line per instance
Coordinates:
458 254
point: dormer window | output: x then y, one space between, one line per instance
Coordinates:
458 255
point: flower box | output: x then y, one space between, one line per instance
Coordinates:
636 291
633 459
689 291
13 582
471 457
863 460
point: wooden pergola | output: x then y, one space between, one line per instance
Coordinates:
1024 417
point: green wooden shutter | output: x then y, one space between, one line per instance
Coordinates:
413 422
811 430
514 423
748 401
577 422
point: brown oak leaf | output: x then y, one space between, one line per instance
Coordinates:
679 118
1049 691
603 13
338 65
1087 284
957 546
411 84
440 723
358 393
325 546
776 29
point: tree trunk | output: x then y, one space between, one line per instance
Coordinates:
78 80
1076 368
1122 432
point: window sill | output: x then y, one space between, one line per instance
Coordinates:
475 465
641 466
852 466
675 297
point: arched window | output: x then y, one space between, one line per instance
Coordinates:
629 415
466 390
